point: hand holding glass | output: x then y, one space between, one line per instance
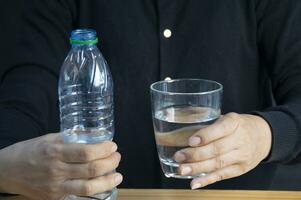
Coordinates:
180 108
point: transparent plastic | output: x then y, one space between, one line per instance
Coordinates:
86 96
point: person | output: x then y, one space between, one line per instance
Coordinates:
251 47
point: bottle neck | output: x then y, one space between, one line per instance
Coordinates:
83 46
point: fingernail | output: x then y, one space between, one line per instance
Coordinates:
180 156
194 141
196 186
185 170
118 179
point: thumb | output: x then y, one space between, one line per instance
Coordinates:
223 127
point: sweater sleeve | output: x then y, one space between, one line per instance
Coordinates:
279 40
33 45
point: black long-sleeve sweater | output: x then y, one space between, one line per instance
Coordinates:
252 47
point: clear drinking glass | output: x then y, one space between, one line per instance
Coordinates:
181 107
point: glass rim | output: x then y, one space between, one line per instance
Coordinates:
220 87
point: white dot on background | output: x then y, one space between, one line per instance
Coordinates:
167 33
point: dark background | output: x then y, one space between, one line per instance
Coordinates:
290 175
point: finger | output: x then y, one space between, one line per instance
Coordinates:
222 174
210 165
224 126
93 169
93 186
208 151
82 153
51 138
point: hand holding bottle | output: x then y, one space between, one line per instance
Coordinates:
45 168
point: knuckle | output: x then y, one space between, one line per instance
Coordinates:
111 180
47 149
200 167
84 154
245 157
215 149
232 115
193 155
118 156
93 169
116 160
106 152
32 162
53 170
110 148
220 146
219 163
87 189
234 118
51 176
53 151
51 189
107 147
242 169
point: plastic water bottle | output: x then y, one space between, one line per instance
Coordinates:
86 96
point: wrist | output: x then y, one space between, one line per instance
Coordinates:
5 157
2 170
265 134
